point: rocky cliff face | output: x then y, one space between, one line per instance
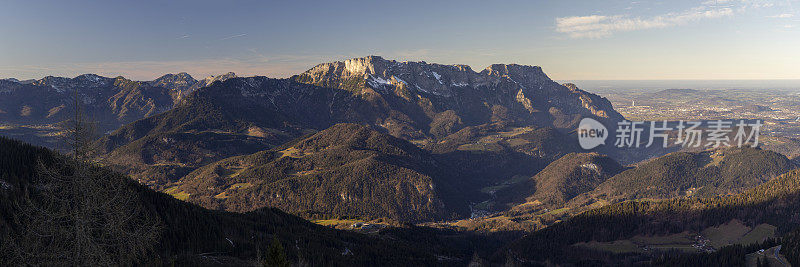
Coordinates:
525 91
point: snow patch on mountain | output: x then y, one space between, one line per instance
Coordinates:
399 80
437 76
58 89
379 80
378 83
422 90
219 78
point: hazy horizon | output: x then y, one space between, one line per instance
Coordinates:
602 86
593 85
597 85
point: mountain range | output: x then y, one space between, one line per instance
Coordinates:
512 117
421 147
32 110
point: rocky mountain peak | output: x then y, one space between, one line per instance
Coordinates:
184 75
464 68
15 80
90 77
571 87
180 77
221 78
180 81
377 73
50 80
85 81
182 92
446 85
365 65
356 67
518 73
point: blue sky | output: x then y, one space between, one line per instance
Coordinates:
571 40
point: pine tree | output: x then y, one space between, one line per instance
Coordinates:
79 214
276 256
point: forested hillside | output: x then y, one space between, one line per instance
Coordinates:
346 170
191 235
774 202
696 174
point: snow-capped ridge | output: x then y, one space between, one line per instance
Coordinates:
422 77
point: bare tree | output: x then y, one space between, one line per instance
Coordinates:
80 214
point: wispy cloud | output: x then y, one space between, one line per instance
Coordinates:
598 26
717 2
782 16
234 36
